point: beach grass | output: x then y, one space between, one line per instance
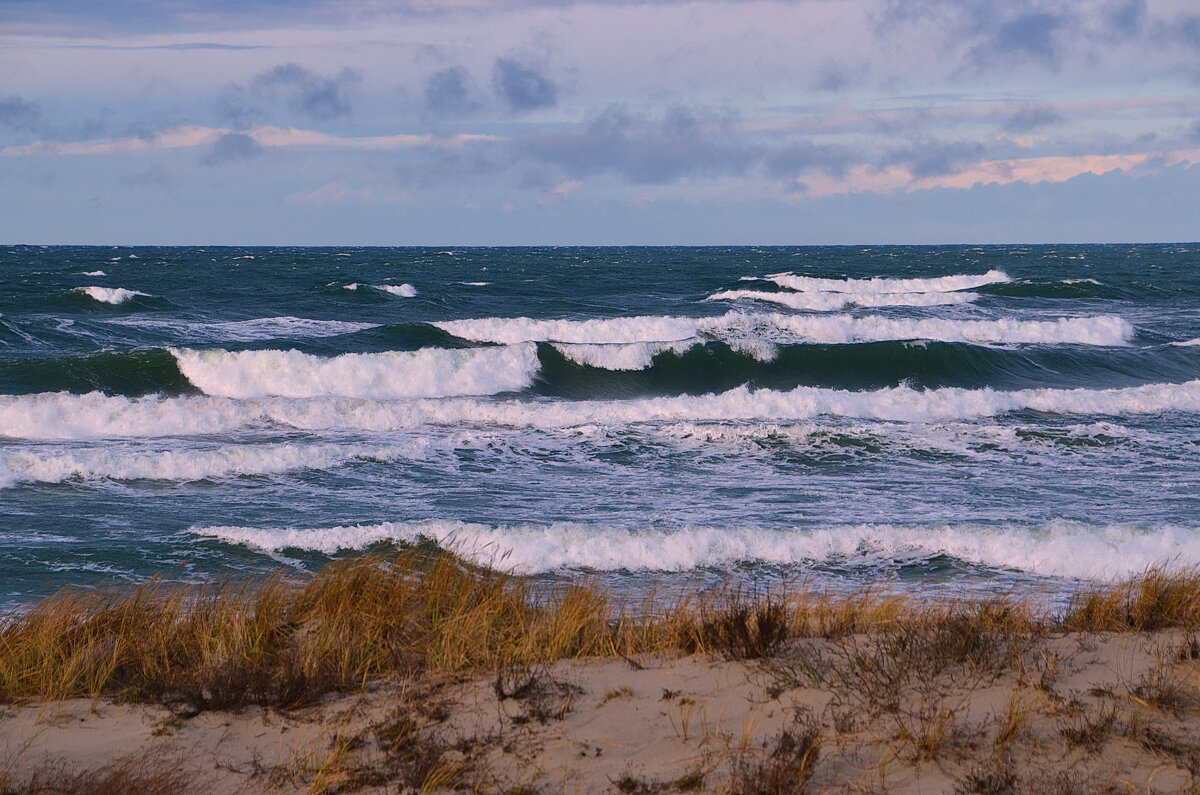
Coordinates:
288 639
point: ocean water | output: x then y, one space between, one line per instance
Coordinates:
930 418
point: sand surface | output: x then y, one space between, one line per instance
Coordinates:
1059 714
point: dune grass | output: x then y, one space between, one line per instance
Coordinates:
288 640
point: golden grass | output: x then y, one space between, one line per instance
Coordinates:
287 640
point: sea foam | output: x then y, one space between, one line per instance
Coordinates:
190 464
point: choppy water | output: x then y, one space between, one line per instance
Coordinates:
972 416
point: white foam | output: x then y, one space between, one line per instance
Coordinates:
1187 343
599 330
840 329
188 464
246 330
831 301
938 284
429 372
61 415
620 356
109 295
94 273
1062 549
783 328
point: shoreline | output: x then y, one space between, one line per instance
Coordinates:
423 672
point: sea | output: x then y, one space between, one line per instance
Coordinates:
934 420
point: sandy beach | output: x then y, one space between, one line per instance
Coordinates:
929 711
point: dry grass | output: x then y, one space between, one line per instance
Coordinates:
1161 598
286 641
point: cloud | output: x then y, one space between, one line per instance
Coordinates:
933 158
1126 17
1030 117
448 92
1025 37
153 177
19 114
522 87
799 157
643 151
319 98
1187 30
831 77
235 142
230 148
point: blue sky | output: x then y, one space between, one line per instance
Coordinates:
503 122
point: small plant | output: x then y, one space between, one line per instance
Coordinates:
691 781
925 730
997 777
1091 729
629 784
1163 689
1009 723
787 763
543 697
617 693
145 774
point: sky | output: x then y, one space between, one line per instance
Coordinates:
498 122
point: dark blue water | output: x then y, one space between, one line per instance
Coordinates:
966 416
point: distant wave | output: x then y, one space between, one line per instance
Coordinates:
94 415
621 356
833 301
937 284
429 372
263 328
1060 548
780 328
110 295
402 290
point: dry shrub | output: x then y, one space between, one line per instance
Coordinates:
146 774
786 765
968 643
1090 729
998 776
738 629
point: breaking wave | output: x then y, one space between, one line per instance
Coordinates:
429 372
1061 548
110 295
780 328
831 301
95 415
